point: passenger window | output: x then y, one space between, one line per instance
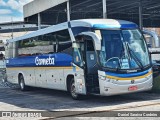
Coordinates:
46 44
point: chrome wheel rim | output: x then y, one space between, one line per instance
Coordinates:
73 90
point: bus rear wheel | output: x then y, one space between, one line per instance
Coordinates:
22 83
73 93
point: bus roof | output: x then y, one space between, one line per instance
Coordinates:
103 23
89 23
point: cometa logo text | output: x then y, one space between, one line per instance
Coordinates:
44 61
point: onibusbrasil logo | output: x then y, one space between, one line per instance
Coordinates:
44 61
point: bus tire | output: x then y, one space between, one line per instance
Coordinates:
72 89
22 85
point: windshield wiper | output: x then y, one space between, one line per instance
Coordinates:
131 52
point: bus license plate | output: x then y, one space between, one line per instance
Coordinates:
132 88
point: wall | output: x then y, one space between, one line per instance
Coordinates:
38 6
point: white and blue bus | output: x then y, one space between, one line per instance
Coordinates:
91 56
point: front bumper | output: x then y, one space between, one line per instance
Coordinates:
111 88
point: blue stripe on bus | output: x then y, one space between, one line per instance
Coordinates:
105 26
60 59
129 26
128 75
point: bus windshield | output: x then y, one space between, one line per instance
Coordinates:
123 49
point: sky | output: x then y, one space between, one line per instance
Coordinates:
12 10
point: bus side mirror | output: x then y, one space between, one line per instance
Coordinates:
155 66
154 35
97 42
156 69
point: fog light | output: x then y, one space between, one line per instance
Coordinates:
106 88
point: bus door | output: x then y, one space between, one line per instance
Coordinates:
85 65
91 67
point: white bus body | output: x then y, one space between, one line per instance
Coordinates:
92 56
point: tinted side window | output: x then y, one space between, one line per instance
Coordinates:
46 44
64 41
43 44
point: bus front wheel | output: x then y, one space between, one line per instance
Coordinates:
73 93
22 83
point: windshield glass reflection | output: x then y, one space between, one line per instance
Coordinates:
123 49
